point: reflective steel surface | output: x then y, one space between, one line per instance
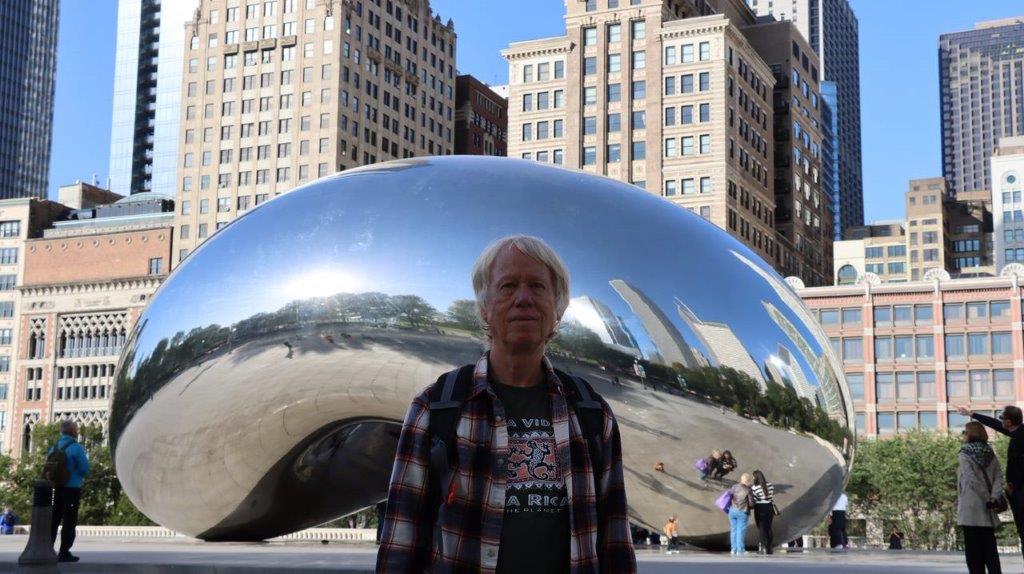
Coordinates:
263 389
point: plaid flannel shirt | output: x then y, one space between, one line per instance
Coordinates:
466 534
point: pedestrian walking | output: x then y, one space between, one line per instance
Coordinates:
7 521
67 465
837 531
672 535
546 447
979 500
739 513
1011 424
764 511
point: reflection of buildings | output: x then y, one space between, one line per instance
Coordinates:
784 370
599 318
828 390
665 336
722 345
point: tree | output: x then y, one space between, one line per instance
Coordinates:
103 500
909 481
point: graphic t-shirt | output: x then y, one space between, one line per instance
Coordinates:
535 531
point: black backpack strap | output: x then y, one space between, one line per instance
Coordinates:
446 399
591 416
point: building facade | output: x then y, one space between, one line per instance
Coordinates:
914 352
980 74
86 279
879 249
28 40
1007 204
803 212
147 95
279 93
668 95
831 28
481 119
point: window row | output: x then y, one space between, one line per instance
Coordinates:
685 84
544 100
686 115
687 186
613 30
688 145
543 130
613 92
910 386
613 63
545 71
556 156
613 122
684 54
613 153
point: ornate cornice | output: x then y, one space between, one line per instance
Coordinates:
94 287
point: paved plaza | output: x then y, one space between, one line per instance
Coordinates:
113 556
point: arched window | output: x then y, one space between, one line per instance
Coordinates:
847 275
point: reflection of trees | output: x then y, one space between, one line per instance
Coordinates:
172 355
462 313
779 405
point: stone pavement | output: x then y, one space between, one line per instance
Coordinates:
114 556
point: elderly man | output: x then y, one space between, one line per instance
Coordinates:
533 480
67 496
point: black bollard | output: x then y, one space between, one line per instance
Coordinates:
39 557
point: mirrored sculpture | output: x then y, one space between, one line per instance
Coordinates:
263 389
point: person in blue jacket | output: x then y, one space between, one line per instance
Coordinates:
67 497
7 521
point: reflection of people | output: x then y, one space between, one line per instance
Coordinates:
896 539
724 465
739 513
764 510
672 535
837 531
979 482
67 496
1010 424
7 521
513 404
706 465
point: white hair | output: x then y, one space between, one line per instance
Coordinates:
532 247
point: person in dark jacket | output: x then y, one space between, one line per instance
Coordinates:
979 482
895 539
724 465
764 511
1010 424
67 497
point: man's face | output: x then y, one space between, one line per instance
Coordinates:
520 301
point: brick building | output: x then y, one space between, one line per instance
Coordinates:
481 118
86 275
913 352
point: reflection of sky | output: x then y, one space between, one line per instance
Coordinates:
418 228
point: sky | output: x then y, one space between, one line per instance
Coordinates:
898 57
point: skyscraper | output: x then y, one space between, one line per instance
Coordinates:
279 93
831 28
980 77
675 97
147 94
28 41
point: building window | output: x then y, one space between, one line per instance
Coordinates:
614 33
589 155
639 29
639 150
855 382
705 51
156 265
614 153
589 36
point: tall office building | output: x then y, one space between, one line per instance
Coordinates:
28 42
803 213
980 76
1007 203
279 93
831 28
147 94
481 118
669 95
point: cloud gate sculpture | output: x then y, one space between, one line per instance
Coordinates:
263 389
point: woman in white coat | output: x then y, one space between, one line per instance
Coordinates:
979 484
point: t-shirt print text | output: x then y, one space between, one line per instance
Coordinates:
535 484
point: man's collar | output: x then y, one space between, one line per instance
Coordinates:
481 383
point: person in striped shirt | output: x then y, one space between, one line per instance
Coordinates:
764 510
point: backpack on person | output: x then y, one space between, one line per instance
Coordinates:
701 464
451 390
55 469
